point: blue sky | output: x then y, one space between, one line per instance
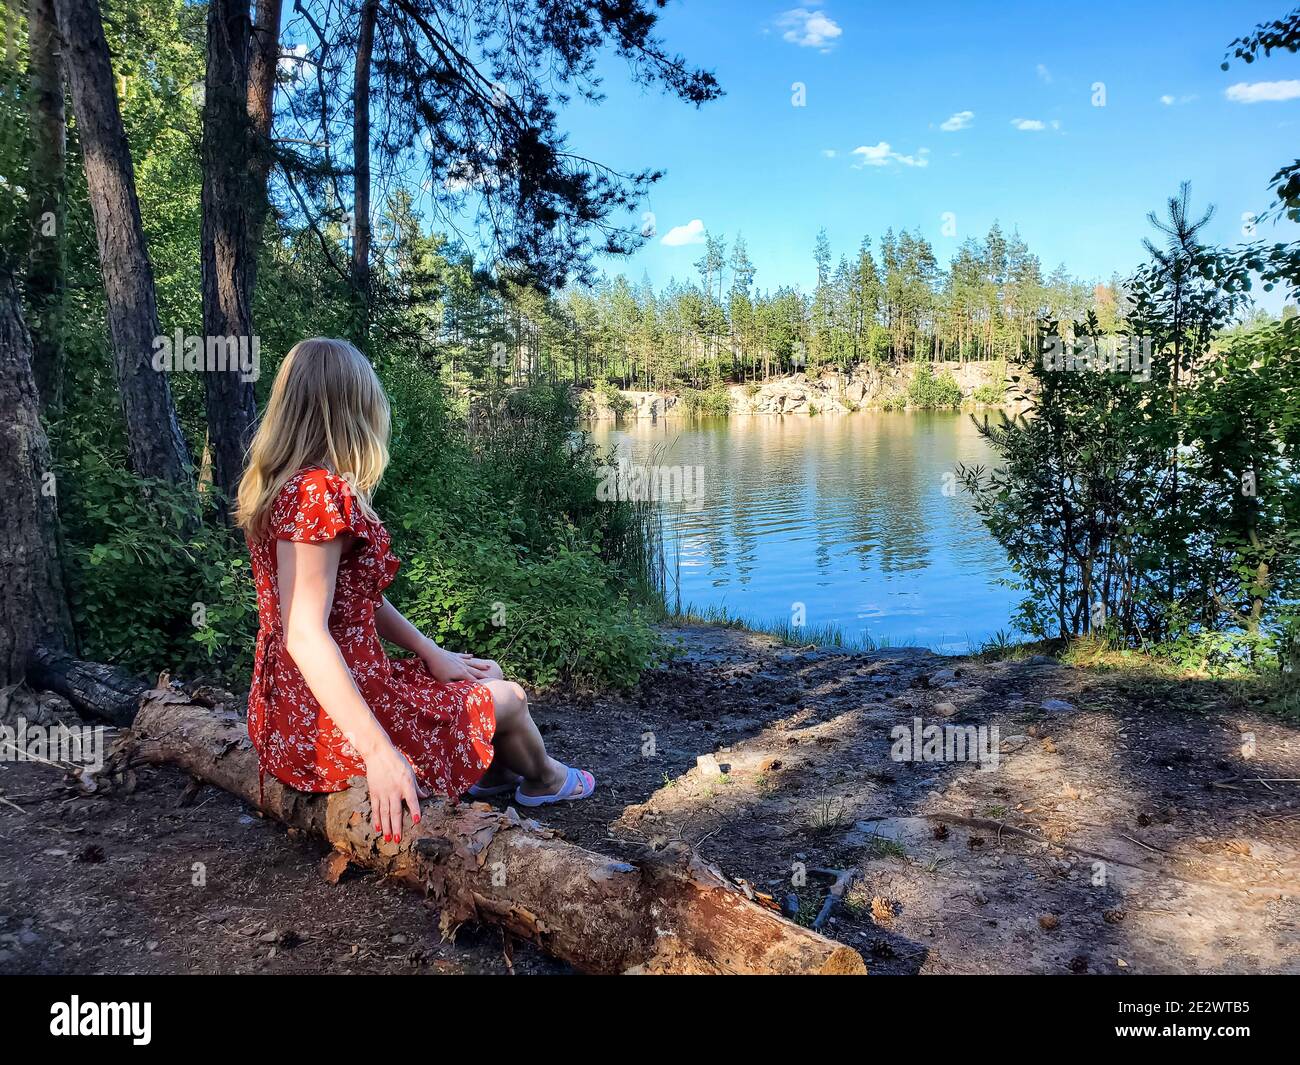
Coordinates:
1077 180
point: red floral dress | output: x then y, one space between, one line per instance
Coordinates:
445 730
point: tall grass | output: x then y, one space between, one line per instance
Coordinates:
639 549
781 627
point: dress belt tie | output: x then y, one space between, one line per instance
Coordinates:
268 645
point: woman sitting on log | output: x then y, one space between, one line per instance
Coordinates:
326 702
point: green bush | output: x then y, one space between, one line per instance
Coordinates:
552 618
712 402
929 392
877 344
613 398
150 585
507 550
994 393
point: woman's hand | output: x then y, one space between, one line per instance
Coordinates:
445 666
391 782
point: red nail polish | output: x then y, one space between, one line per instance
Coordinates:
379 828
388 838
397 839
416 819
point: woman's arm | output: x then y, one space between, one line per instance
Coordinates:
306 577
394 628
443 665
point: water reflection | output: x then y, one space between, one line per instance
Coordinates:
846 515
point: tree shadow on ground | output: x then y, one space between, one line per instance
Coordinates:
1125 830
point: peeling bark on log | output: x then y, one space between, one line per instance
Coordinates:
478 863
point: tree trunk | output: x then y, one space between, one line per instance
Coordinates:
229 199
597 914
361 167
33 609
153 434
46 269
263 61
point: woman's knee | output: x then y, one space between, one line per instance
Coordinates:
510 701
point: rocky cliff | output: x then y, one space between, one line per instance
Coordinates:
828 393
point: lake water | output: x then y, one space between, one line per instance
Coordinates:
847 515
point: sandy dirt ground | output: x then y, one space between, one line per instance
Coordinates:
1129 825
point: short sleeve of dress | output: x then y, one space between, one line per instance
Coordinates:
314 506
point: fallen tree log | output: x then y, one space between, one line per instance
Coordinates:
673 914
105 692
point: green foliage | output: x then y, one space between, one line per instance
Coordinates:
927 392
711 402
877 344
892 306
15 232
487 486
994 393
150 585
612 398
1159 508
893 401
508 551
551 618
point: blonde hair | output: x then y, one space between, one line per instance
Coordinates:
327 409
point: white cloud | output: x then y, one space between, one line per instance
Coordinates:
691 233
958 121
1028 124
830 153
1253 92
882 155
809 29
1043 73
1168 99
877 155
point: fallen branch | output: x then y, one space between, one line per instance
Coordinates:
94 689
844 879
672 915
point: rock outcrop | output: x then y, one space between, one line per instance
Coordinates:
800 394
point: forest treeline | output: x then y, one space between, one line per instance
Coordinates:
893 303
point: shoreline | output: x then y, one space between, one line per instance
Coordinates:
907 386
676 415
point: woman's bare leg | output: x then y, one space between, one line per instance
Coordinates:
498 772
519 746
